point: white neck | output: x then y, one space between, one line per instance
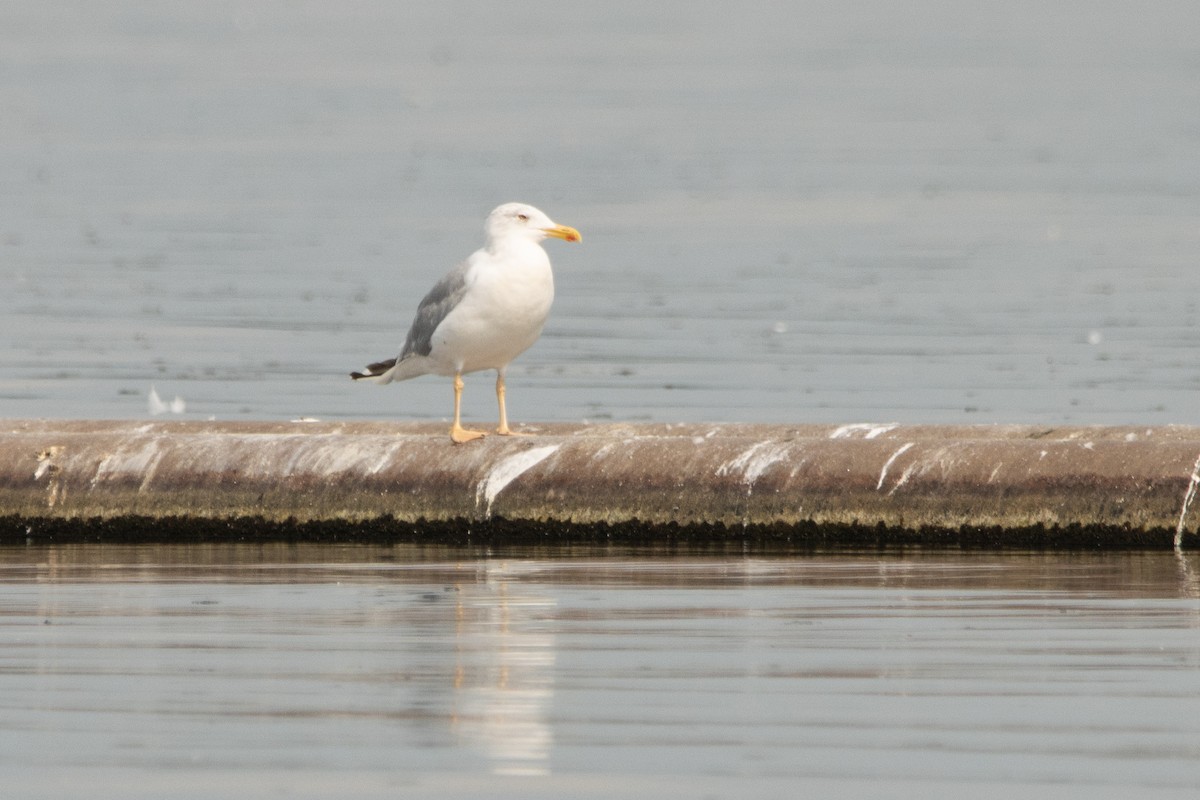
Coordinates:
510 245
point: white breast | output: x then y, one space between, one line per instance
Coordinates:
507 302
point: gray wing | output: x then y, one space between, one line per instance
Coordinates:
441 300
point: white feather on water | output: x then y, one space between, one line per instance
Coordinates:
159 406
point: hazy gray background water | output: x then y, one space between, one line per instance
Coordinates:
314 671
794 211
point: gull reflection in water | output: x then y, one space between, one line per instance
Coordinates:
504 676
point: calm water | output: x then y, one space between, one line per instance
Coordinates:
929 211
311 671
816 212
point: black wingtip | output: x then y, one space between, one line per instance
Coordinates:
380 367
374 370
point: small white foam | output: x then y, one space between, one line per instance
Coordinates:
159 406
509 470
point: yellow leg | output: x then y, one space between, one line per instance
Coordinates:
459 434
503 428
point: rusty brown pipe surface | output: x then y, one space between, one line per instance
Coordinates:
1103 486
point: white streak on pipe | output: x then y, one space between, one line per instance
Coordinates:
507 471
1188 497
755 461
869 430
887 464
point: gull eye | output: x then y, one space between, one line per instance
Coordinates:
523 217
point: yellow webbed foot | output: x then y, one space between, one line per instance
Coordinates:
459 434
504 430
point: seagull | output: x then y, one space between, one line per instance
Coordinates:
484 313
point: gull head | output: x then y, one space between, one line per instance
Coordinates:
518 220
